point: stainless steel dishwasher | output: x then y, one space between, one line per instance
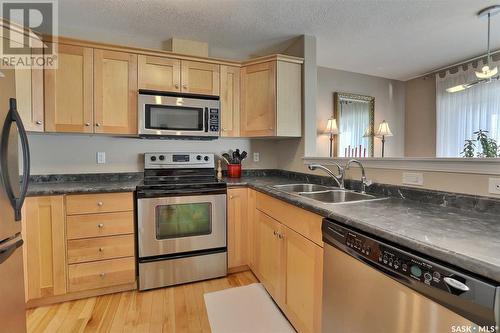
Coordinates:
370 285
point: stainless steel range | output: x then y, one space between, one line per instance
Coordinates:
181 220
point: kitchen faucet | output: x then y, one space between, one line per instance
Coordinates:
364 182
338 178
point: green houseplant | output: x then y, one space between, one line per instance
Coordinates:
489 146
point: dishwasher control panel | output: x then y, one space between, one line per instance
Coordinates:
398 261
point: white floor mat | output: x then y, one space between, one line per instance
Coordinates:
245 309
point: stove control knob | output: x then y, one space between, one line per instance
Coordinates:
162 157
153 158
206 158
198 157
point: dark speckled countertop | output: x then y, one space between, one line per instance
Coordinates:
464 238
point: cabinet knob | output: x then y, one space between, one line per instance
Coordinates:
100 225
231 196
270 128
87 124
280 236
275 233
176 86
102 275
101 249
38 122
100 204
97 125
184 86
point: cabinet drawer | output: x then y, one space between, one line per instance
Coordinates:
83 250
302 221
97 225
100 274
99 203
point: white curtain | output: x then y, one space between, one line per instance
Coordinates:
354 119
462 113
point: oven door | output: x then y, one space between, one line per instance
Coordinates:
179 224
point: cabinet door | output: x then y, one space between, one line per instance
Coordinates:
258 105
237 231
230 100
115 92
269 255
304 276
158 73
68 91
251 223
45 247
200 78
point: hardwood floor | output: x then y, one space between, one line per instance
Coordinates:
174 309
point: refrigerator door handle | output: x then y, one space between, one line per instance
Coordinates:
6 251
14 117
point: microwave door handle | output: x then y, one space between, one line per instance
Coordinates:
206 120
13 116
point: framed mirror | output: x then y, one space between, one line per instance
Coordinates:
355 116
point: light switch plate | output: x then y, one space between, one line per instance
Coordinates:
101 157
256 157
494 185
413 178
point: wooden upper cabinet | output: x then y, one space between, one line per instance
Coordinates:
199 78
158 73
44 249
271 99
115 92
258 104
29 95
68 91
230 100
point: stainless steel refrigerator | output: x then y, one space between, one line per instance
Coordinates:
13 188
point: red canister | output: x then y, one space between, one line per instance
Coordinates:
234 170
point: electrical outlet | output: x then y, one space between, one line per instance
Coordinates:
256 157
101 157
413 178
494 185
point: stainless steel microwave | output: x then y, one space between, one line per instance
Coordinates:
176 115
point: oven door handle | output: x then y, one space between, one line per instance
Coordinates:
206 120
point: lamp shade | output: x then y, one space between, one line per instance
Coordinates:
383 129
331 126
368 132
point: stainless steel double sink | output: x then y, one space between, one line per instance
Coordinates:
326 194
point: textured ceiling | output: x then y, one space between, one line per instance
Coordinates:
390 38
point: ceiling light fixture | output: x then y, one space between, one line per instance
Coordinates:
487 74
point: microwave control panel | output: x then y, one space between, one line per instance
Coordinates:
214 120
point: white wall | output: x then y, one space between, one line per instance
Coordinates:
389 105
71 153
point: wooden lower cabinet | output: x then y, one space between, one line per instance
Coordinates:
44 249
269 255
289 264
101 274
237 228
74 248
304 281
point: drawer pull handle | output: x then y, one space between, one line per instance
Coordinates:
102 275
101 249
100 225
100 204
